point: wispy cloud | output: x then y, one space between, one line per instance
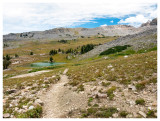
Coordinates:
111 21
103 25
40 16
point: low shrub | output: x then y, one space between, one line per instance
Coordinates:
105 84
150 114
114 50
140 101
110 92
123 114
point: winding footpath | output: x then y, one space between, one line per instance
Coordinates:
59 100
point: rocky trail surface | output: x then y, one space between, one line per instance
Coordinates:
59 100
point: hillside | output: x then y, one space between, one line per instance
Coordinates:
145 39
74 33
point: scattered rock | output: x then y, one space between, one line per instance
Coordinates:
136 93
132 87
94 88
102 95
144 92
35 85
24 107
53 76
16 108
154 104
45 78
12 116
109 66
74 88
125 56
20 111
118 109
142 114
39 102
31 107
129 116
10 105
132 102
112 69
150 108
135 114
6 115
115 115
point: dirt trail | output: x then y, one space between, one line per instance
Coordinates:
31 74
59 99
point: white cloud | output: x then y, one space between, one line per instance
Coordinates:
111 21
19 17
134 21
137 20
103 25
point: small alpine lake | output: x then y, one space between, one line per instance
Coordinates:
45 64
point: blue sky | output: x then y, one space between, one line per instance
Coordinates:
97 22
24 17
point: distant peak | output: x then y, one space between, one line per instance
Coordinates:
150 23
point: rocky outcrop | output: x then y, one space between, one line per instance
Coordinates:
150 23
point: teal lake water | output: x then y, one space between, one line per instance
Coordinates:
44 64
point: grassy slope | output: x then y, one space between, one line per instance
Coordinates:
40 48
137 67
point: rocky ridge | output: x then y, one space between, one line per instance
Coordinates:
73 33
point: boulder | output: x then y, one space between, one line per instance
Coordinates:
142 114
31 107
115 115
102 95
6 115
132 87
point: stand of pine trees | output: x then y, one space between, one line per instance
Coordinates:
86 48
53 52
6 61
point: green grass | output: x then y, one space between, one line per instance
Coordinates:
130 51
95 112
80 88
140 101
110 92
140 86
89 101
123 114
33 113
136 67
105 84
150 114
